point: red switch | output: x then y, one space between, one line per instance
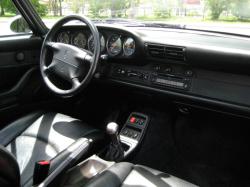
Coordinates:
132 120
44 162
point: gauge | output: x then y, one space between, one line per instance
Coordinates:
79 40
114 45
63 37
91 45
129 47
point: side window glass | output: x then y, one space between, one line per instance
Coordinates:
11 22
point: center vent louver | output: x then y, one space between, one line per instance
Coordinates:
165 51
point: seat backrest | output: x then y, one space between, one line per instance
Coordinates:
9 169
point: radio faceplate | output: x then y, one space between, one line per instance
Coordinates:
167 79
172 81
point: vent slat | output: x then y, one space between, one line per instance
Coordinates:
169 52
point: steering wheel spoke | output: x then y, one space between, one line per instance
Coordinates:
85 57
89 58
47 69
75 82
51 45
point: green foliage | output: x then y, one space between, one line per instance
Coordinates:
163 8
117 7
6 6
163 14
75 5
96 6
241 9
217 7
40 8
227 10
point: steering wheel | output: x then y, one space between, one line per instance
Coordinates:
72 64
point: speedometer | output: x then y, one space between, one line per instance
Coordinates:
79 40
63 37
114 45
129 47
91 44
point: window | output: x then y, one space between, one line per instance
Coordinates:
11 22
231 16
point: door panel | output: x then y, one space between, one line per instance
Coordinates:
20 78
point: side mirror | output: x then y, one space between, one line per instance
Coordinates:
19 25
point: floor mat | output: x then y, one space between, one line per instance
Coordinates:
207 150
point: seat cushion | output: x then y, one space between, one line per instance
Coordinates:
126 175
42 136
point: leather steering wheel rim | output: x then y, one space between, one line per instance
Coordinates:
68 61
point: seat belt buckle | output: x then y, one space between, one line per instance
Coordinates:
41 171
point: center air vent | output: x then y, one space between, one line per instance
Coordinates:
165 51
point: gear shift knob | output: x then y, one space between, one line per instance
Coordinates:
112 128
115 151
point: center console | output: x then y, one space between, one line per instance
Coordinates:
133 131
130 136
127 140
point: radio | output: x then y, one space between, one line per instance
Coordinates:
167 80
170 80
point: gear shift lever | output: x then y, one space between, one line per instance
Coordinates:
112 130
115 151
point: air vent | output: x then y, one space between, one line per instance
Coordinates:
165 51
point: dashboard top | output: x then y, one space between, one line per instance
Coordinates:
203 49
176 37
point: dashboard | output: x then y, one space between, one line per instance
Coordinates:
210 70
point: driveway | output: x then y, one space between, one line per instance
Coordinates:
4 26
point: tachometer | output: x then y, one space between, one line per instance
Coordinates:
63 37
114 45
79 40
129 47
91 44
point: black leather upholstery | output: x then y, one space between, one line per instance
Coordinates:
17 127
128 175
9 170
41 136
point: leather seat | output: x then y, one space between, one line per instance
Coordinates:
127 175
37 136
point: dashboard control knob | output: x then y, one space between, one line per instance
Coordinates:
104 57
189 73
157 68
168 70
97 75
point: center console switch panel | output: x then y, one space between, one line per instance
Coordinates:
133 131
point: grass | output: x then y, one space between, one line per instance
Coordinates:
187 19
8 14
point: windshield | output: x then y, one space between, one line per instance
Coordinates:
231 16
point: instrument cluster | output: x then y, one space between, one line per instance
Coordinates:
114 44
